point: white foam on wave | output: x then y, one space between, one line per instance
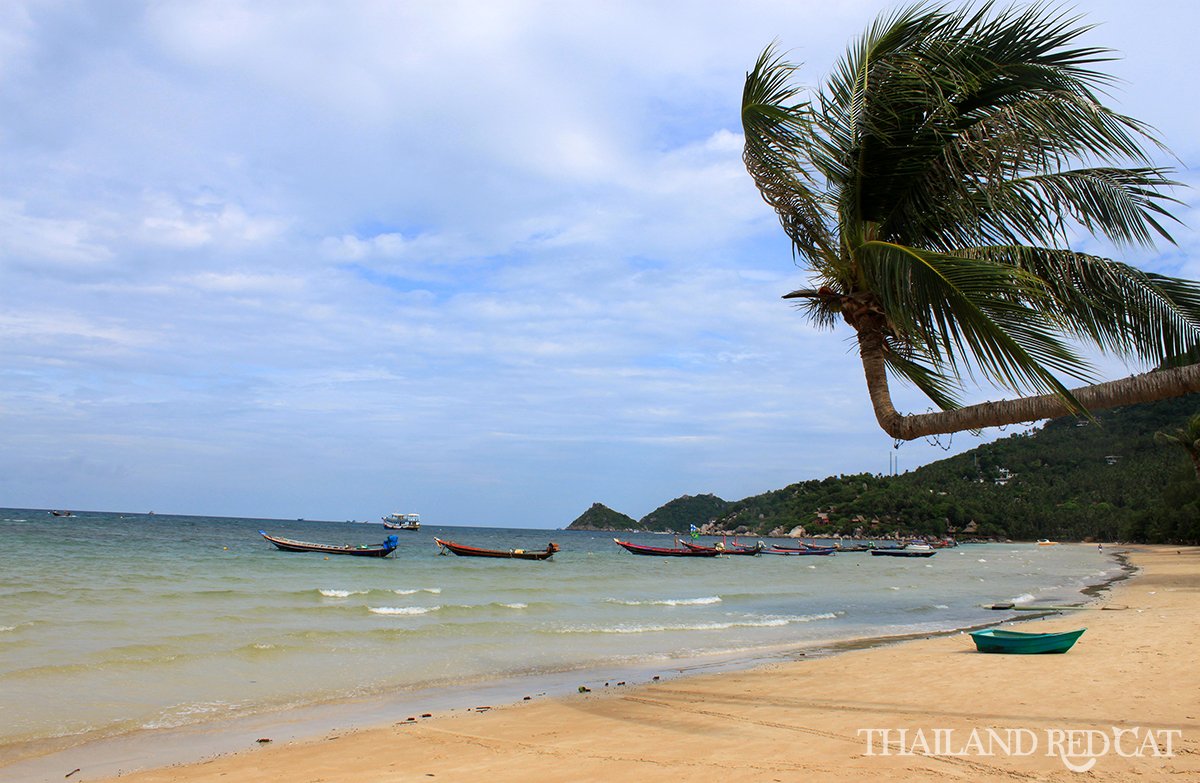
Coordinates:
415 590
391 610
4 628
1023 598
341 593
750 622
706 600
183 714
515 605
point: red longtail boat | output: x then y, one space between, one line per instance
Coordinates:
660 551
463 550
726 549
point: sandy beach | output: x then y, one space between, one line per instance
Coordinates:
1124 703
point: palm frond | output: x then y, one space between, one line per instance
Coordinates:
938 177
940 388
1117 307
777 126
962 314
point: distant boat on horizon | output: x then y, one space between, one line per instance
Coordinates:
62 513
398 521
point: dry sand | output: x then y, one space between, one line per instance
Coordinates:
1134 672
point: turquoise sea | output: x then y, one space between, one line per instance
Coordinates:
117 625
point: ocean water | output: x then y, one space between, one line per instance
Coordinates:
113 624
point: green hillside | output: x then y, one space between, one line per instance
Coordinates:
601 517
1070 479
682 512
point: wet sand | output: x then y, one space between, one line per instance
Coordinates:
1124 703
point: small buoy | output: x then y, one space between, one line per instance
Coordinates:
655 677
426 714
584 689
263 740
527 698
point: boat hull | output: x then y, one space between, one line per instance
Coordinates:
733 549
462 550
291 545
803 549
995 640
658 551
903 552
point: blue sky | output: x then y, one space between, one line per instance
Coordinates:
487 261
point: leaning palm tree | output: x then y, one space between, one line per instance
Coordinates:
1188 438
932 187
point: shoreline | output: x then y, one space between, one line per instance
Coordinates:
804 720
202 743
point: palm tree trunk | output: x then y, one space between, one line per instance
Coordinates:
1148 387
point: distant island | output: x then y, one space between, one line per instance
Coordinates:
1102 479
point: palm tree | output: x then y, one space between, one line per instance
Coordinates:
1187 437
932 187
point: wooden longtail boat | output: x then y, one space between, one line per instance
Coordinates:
363 550
659 551
906 552
515 554
809 548
996 640
726 549
787 550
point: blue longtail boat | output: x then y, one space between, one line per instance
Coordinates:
364 550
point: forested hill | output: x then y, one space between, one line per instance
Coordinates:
601 517
1070 479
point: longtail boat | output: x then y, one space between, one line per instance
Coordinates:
908 551
362 550
805 548
726 549
660 551
774 550
997 640
515 554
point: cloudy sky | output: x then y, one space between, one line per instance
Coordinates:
487 261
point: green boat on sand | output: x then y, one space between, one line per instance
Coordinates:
996 640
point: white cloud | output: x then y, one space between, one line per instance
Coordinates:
32 239
202 221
